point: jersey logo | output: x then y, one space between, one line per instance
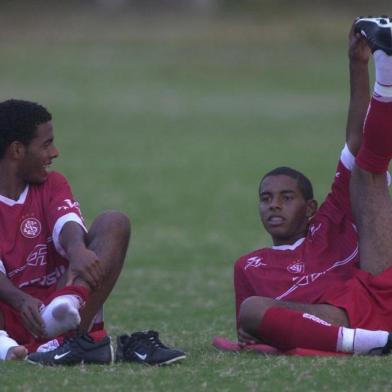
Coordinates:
141 356
59 356
313 229
30 227
316 319
38 256
254 262
69 204
296 268
305 280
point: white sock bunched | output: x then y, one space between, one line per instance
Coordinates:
383 65
61 315
361 341
5 344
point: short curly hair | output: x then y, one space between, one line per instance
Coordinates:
304 183
19 120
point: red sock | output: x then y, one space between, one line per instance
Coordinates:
80 291
376 149
287 329
98 335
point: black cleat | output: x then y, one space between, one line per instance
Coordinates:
377 31
145 347
75 350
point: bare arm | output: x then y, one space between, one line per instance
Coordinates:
28 306
84 266
359 54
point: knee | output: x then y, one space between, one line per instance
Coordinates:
115 222
251 314
121 221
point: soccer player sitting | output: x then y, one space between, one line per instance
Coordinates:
55 274
314 289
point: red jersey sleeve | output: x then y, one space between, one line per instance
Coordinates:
61 207
338 200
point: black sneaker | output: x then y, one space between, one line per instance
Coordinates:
145 347
78 349
377 31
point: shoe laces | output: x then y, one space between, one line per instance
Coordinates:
153 338
149 338
68 340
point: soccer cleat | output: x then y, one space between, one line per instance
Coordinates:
145 347
377 31
75 350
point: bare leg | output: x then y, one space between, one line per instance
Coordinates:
108 237
372 209
253 309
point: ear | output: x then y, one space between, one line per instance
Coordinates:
311 208
16 150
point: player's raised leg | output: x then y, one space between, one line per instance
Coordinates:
371 202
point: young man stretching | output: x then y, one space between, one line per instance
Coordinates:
311 290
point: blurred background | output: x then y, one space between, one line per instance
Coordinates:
171 111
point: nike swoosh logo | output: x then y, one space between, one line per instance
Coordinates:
56 357
141 356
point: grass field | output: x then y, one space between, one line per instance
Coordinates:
174 121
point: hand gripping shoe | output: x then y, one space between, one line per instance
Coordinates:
377 31
75 350
146 347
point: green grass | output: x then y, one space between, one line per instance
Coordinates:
173 122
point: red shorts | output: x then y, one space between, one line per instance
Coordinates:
367 300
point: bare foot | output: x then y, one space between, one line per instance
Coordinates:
17 353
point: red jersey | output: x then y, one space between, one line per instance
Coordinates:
302 272
30 252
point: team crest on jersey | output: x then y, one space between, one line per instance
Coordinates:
30 227
296 268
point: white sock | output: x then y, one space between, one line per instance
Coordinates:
383 65
5 344
61 315
361 341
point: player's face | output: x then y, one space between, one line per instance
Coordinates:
283 210
38 155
